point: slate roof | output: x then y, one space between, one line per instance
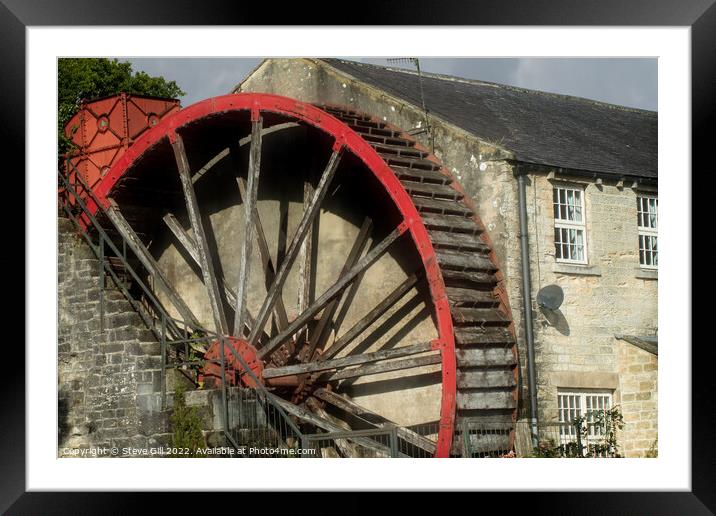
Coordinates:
537 127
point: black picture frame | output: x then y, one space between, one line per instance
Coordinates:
700 15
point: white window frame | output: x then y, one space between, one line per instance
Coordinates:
647 231
566 224
581 402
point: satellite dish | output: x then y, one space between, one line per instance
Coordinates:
550 297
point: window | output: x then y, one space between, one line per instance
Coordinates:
570 240
575 404
647 212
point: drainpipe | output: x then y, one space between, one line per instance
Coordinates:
527 305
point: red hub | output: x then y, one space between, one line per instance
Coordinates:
235 373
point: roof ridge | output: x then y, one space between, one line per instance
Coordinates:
454 78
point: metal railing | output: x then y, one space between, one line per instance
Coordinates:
485 439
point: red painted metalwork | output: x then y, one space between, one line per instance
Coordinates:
235 373
104 128
353 142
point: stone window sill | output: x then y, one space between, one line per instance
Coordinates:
650 274
577 270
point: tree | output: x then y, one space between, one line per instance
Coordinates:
85 78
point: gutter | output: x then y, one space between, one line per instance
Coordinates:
527 304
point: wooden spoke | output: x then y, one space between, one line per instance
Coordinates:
243 141
347 302
342 283
309 214
346 448
249 211
205 262
312 367
147 260
188 243
322 330
306 286
396 365
320 422
370 318
344 403
269 271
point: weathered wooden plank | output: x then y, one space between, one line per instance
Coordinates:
266 262
206 263
399 150
481 336
145 257
306 275
470 297
487 357
425 176
370 317
458 241
482 443
182 236
485 400
386 367
309 215
452 224
306 415
465 261
441 206
482 379
344 403
464 316
345 446
343 282
350 406
249 214
312 367
431 190
482 279
400 161
322 329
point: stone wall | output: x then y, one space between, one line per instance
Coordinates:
109 382
639 397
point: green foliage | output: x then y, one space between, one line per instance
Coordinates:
186 426
86 78
608 422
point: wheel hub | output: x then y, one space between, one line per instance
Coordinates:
235 372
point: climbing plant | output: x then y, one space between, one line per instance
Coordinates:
604 423
187 436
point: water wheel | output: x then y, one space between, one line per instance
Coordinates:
338 257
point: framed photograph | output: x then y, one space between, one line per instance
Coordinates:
418 242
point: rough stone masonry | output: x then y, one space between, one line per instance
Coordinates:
109 379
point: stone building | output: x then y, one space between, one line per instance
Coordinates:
589 173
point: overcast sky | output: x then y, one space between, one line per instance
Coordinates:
624 81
